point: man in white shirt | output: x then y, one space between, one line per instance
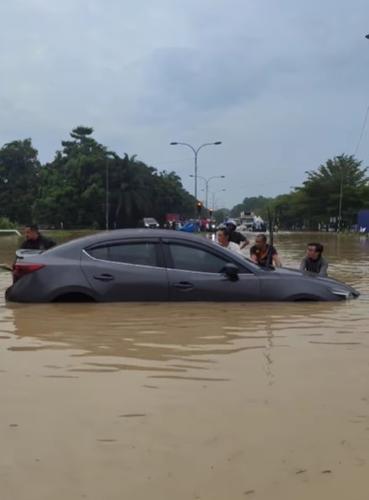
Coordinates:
223 239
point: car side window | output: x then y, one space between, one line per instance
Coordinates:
129 253
195 259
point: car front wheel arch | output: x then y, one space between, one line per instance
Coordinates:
74 297
72 294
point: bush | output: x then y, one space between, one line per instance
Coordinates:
5 223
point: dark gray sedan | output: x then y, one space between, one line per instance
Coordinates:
158 265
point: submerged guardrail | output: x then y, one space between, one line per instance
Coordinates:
11 231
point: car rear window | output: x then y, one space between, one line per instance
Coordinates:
129 253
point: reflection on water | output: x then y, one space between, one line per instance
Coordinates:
172 337
177 338
189 400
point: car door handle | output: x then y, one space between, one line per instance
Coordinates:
183 285
104 277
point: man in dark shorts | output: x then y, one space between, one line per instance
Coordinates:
236 236
314 262
263 254
35 240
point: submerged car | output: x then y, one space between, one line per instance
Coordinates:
158 265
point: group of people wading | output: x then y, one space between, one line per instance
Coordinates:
262 253
265 254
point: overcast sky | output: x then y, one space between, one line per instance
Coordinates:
284 84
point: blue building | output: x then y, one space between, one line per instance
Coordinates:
363 221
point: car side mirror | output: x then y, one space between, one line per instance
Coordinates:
231 271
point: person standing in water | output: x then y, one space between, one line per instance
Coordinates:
314 262
263 254
236 236
223 239
35 240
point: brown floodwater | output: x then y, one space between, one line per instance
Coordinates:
189 401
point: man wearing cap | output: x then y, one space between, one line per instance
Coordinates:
236 236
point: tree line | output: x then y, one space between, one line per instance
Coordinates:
330 196
70 191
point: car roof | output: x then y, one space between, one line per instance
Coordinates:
120 234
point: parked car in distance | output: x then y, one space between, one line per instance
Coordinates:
150 223
158 265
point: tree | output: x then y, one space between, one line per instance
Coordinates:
256 204
73 187
340 182
19 176
221 215
291 211
339 179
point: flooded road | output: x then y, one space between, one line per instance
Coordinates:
189 401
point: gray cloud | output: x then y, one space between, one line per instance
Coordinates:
283 84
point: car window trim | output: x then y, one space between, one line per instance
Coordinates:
170 265
128 240
160 261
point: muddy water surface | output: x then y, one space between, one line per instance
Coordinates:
197 401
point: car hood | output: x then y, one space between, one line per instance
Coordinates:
331 283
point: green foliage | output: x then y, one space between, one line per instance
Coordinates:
291 211
5 223
256 204
317 201
322 190
221 214
71 190
19 171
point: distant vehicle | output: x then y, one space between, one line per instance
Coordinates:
251 222
150 223
158 265
247 220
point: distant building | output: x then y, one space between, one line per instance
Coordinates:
363 221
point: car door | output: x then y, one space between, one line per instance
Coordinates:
129 270
195 273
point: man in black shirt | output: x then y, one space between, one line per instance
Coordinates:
35 240
236 236
263 254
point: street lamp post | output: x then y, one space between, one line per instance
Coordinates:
213 197
107 195
196 153
207 185
110 155
340 203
